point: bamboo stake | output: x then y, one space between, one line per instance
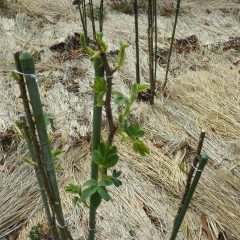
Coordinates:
177 225
33 137
28 68
171 46
37 171
191 172
97 119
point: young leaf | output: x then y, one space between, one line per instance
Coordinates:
48 118
104 193
100 88
116 173
88 192
29 161
100 42
140 147
15 76
120 98
105 156
138 88
105 182
55 153
84 45
116 182
91 182
73 189
134 131
96 200
121 56
19 125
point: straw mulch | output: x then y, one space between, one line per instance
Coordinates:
203 93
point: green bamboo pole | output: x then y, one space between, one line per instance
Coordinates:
36 147
135 6
38 174
191 172
27 65
177 225
96 136
171 45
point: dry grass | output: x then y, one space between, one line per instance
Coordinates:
203 93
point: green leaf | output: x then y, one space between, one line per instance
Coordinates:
88 192
73 189
58 167
84 45
120 98
116 173
116 182
30 161
55 153
104 193
19 125
105 182
96 200
15 76
140 147
91 182
138 88
121 56
103 46
100 88
105 156
134 131
48 118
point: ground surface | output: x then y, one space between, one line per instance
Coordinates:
203 92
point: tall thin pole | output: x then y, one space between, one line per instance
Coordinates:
135 5
171 45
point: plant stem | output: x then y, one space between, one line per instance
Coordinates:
97 120
27 65
33 137
84 23
171 46
85 14
108 108
191 172
152 38
177 225
92 18
135 5
101 16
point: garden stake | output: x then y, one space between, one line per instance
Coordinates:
177 225
33 136
191 172
27 136
27 65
